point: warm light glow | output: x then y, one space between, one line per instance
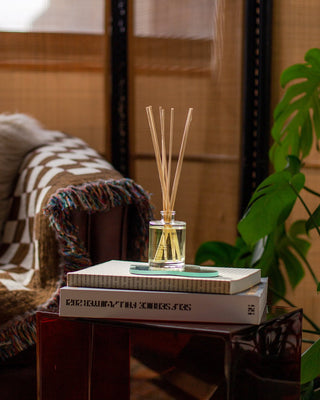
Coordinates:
76 16
18 15
174 18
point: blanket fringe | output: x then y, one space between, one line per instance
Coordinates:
20 333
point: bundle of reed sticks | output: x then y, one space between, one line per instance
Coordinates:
164 156
168 253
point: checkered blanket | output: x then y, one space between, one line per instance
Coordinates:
54 180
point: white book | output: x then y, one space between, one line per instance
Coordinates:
246 307
116 274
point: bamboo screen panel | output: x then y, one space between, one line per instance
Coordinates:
55 69
296 29
179 60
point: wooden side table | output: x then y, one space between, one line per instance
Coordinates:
90 359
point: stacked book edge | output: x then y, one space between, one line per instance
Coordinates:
108 290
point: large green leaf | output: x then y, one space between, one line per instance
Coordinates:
307 391
293 165
266 257
316 116
293 250
270 205
292 265
296 230
293 127
314 219
243 258
310 363
285 248
220 253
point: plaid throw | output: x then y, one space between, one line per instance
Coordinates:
55 179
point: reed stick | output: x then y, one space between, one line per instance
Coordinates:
156 149
170 152
166 196
164 164
180 159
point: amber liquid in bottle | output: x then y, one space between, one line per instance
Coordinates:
167 239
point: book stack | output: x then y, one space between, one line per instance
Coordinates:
129 290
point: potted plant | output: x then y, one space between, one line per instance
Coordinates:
266 240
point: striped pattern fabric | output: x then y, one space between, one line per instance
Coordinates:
63 175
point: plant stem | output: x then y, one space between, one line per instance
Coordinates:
313 324
306 208
308 341
309 331
311 191
308 266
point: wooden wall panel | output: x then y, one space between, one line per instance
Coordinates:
215 122
72 102
60 79
296 29
177 72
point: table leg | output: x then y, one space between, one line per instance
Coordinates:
81 360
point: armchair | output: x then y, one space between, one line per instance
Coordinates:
70 209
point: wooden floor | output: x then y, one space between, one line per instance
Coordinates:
147 384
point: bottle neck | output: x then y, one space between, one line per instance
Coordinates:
167 217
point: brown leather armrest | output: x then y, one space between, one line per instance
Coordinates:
103 233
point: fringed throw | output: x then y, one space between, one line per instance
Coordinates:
41 243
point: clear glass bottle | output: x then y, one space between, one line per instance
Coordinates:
167 242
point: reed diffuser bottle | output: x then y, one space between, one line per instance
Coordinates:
167 242
167 237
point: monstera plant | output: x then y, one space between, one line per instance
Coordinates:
266 240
